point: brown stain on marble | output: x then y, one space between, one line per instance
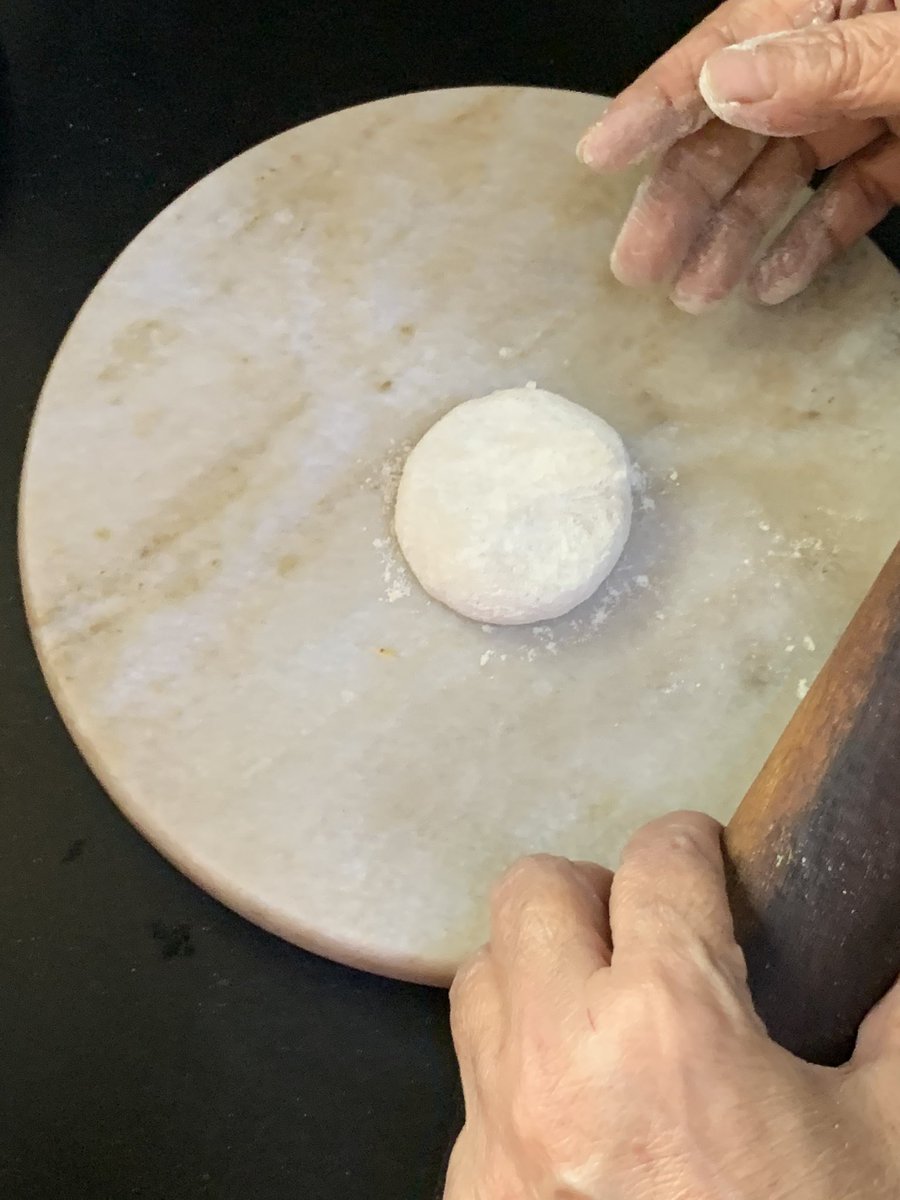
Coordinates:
578 200
138 344
777 375
649 411
181 529
756 672
482 113
180 556
470 132
205 497
146 422
287 564
101 626
190 578
252 222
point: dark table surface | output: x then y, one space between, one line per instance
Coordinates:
152 1043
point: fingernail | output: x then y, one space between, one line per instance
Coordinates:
742 74
771 282
693 303
585 151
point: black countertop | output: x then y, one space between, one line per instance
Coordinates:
152 1043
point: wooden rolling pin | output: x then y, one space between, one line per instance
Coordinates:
813 851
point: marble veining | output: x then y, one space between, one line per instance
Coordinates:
209 570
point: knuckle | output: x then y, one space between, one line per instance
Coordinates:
683 832
469 994
857 63
839 64
525 879
469 975
872 197
687 1014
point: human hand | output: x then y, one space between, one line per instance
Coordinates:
609 1049
744 110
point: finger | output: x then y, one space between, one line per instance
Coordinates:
668 897
879 1034
674 203
549 930
475 1005
477 1024
664 104
800 81
460 1182
680 199
833 145
721 257
851 202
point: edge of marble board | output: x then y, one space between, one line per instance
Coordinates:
222 889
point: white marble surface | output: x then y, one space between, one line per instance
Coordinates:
207 556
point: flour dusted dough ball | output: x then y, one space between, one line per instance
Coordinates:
514 507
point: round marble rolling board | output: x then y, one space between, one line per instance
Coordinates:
211 579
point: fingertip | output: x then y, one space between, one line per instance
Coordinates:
669 897
740 75
620 274
619 265
637 127
774 281
630 271
693 304
752 118
708 90
600 151
582 150
778 84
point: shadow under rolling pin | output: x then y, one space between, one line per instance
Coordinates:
813 851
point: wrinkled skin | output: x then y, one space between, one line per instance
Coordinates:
742 112
609 1049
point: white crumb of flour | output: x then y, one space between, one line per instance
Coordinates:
396 576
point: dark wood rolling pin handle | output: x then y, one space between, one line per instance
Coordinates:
813 852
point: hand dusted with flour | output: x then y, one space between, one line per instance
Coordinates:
743 111
515 507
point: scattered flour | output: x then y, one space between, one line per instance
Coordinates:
398 583
542 639
583 626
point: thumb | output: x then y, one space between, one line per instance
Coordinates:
802 81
